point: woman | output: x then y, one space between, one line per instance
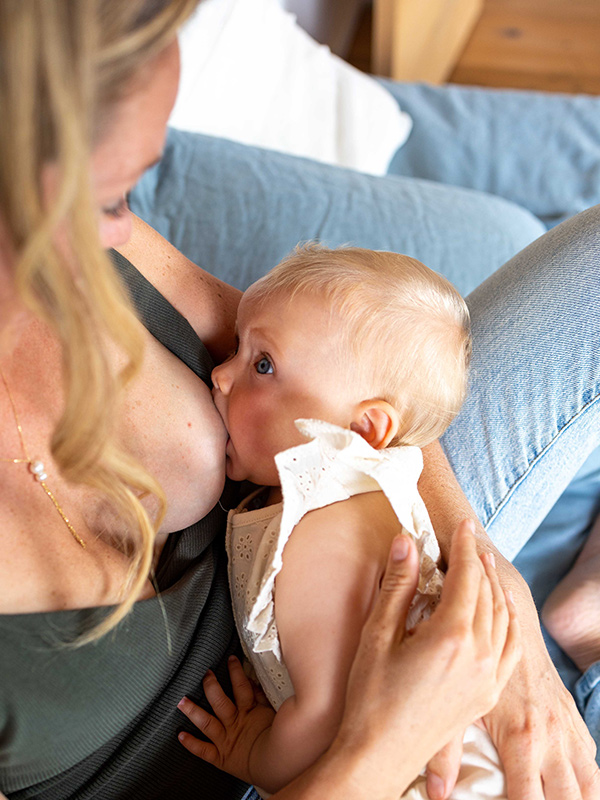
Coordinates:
87 87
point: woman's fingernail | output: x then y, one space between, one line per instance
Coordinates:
510 596
182 702
471 526
436 789
492 559
399 548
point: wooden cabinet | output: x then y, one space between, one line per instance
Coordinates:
421 40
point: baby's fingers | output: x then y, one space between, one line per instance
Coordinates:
243 690
205 750
224 708
205 722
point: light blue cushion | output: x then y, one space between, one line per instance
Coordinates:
538 149
237 210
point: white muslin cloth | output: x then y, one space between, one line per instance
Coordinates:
335 465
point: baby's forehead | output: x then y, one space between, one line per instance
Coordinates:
294 323
289 305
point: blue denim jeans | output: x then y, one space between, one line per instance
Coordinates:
526 446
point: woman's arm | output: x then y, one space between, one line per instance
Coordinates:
544 744
209 304
407 696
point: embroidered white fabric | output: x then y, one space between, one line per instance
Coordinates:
335 465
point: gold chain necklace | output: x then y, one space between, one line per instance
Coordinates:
36 467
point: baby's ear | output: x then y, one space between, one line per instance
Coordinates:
377 421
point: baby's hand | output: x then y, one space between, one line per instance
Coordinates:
235 727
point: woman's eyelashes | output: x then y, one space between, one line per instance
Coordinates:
117 210
264 366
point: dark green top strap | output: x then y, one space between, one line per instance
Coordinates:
163 321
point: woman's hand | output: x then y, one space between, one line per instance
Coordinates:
410 694
546 750
544 744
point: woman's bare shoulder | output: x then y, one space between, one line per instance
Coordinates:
208 303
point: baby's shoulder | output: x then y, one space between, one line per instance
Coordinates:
343 545
361 526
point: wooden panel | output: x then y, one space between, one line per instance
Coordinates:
551 45
421 40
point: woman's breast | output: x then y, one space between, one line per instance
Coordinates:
172 426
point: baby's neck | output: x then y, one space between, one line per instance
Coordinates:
274 496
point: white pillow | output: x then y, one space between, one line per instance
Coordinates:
251 74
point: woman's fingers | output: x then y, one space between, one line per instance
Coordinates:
465 572
443 769
501 616
398 587
512 650
484 619
474 614
504 628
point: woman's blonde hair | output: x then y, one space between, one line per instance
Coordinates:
404 329
64 64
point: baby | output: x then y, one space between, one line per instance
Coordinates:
366 355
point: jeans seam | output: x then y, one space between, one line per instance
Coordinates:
512 489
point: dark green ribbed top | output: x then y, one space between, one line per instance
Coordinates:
100 721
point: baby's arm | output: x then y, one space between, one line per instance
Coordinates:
330 577
331 570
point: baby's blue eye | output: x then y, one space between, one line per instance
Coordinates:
264 366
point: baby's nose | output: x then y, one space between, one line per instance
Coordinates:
221 378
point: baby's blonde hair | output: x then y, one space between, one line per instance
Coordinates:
406 328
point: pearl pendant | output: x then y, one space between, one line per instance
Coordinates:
36 467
